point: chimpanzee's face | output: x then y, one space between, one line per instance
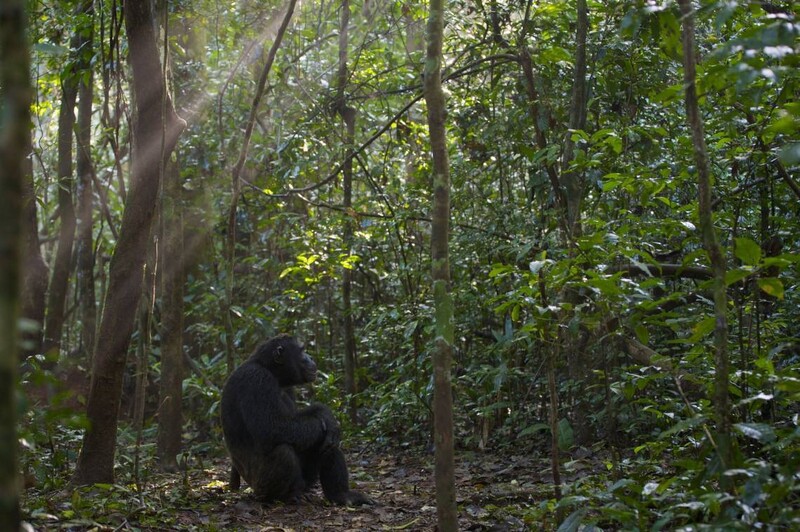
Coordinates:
306 365
287 359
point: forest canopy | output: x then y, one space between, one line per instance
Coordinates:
564 242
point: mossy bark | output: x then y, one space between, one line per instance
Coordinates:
447 512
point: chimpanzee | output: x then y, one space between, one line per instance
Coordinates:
279 450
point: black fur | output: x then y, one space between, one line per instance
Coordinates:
281 451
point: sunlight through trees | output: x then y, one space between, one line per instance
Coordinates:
544 254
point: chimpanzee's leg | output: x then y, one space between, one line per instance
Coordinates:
310 464
334 479
277 476
235 479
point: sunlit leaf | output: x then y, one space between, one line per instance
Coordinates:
536 265
747 251
499 270
642 334
734 276
702 329
771 286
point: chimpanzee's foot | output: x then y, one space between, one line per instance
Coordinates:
351 498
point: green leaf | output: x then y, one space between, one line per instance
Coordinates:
536 265
771 286
665 484
533 429
784 124
702 329
499 270
630 23
734 276
790 154
600 134
608 287
788 384
747 251
642 334
566 436
757 431
668 95
50 49
682 425
615 142
621 484
410 328
349 262
670 33
573 522
572 500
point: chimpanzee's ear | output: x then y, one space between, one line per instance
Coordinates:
278 355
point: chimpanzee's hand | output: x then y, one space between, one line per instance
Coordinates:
331 432
333 435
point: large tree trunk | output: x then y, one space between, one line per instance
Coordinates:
150 149
15 100
710 243
173 267
447 512
348 115
59 280
85 251
178 254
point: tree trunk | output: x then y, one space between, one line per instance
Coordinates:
710 243
154 138
15 100
573 186
573 182
555 462
59 280
447 513
170 411
348 114
34 270
550 352
85 251
143 346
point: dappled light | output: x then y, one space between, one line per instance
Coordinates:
370 265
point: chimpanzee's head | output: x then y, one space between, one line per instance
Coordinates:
286 359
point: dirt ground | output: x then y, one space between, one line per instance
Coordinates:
494 493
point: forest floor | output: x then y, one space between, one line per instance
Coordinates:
507 493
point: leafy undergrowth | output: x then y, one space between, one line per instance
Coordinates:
494 493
